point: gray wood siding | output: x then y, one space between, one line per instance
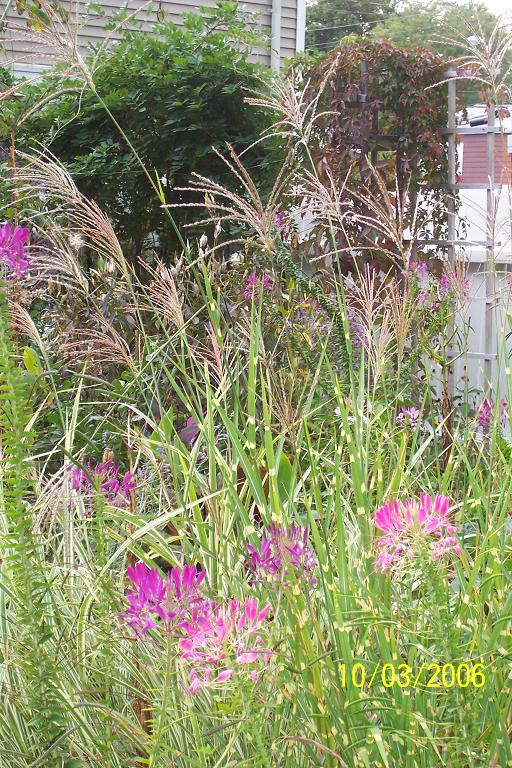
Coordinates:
30 56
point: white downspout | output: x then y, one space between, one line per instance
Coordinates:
300 31
275 40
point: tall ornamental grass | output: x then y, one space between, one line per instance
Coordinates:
290 640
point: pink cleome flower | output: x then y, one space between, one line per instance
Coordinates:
12 249
255 284
419 269
453 283
170 600
284 550
412 527
485 411
227 641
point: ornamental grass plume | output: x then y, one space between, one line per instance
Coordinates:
283 551
12 249
231 640
246 209
169 601
414 528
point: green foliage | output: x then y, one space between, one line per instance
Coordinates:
418 25
177 93
28 627
437 25
330 20
304 711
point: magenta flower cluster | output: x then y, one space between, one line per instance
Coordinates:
419 269
413 527
215 640
255 284
12 249
456 284
168 600
283 551
106 477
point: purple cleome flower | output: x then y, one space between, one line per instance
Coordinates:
457 284
117 491
445 286
412 527
215 641
12 249
146 602
484 412
172 600
79 478
356 329
408 416
104 475
255 284
280 219
282 551
419 268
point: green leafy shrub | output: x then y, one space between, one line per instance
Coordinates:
177 93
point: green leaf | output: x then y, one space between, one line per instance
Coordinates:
32 362
285 477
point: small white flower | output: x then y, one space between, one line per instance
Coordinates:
76 241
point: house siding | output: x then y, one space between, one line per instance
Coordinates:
21 55
474 160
